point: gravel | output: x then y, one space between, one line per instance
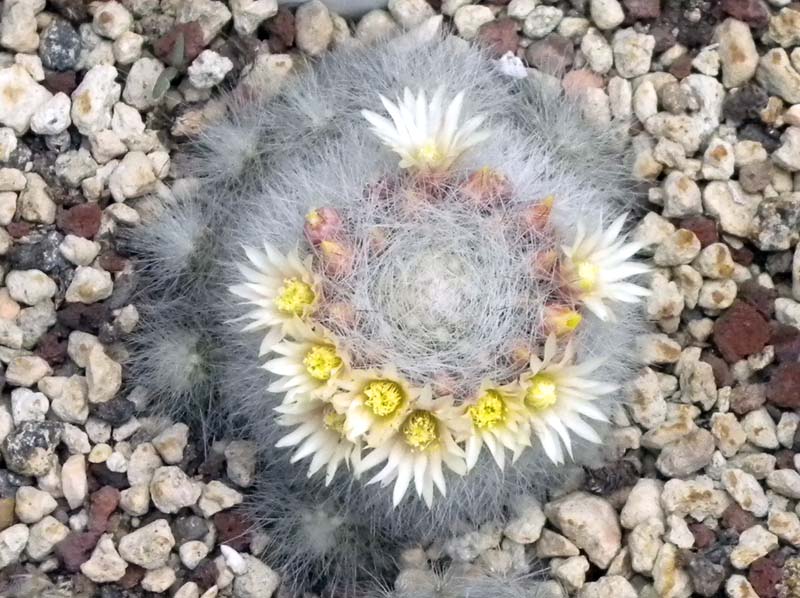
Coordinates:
94 493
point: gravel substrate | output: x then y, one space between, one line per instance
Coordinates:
701 493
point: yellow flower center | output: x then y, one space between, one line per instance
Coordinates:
488 411
587 275
419 430
542 392
429 154
321 362
294 297
383 397
572 320
333 420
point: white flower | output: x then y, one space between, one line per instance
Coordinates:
425 135
319 432
310 365
375 403
281 289
596 265
416 451
499 420
558 395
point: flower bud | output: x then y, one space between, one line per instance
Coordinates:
486 188
536 217
322 224
561 319
337 258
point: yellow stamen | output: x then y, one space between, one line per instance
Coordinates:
587 275
562 320
419 430
321 362
542 392
383 397
333 420
313 218
295 297
429 154
488 411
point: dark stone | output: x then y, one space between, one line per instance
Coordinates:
747 397
82 220
10 482
133 575
643 9
72 10
786 340
784 459
705 229
740 332
233 529
124 288
42 255
783 388
65 82
52 348
205 574
106 477
742 255
760 297
59 46
745 103
102 505
664 34
553 54
281 30
707 577
722 373
189 527
86 318
75 549
27 450
754 12
681 67
192 35
770 139
116 411
704 536
499 37
754 177
111 261
765 575
736 518
18 230
610 478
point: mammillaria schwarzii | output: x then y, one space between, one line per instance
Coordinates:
406 277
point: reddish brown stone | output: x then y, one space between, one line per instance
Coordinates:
82 220
742 255
786 340
643 9
18 229
205 574
64 82
747 397
133 575
705 229
281 30
736 518
754 12
75 549
233 529
783 388
704 536
553 54
101 505
193 44
681 67
784 459
111 261
499 36
87 318
762 298
52 348
765 574
722 373
740 331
